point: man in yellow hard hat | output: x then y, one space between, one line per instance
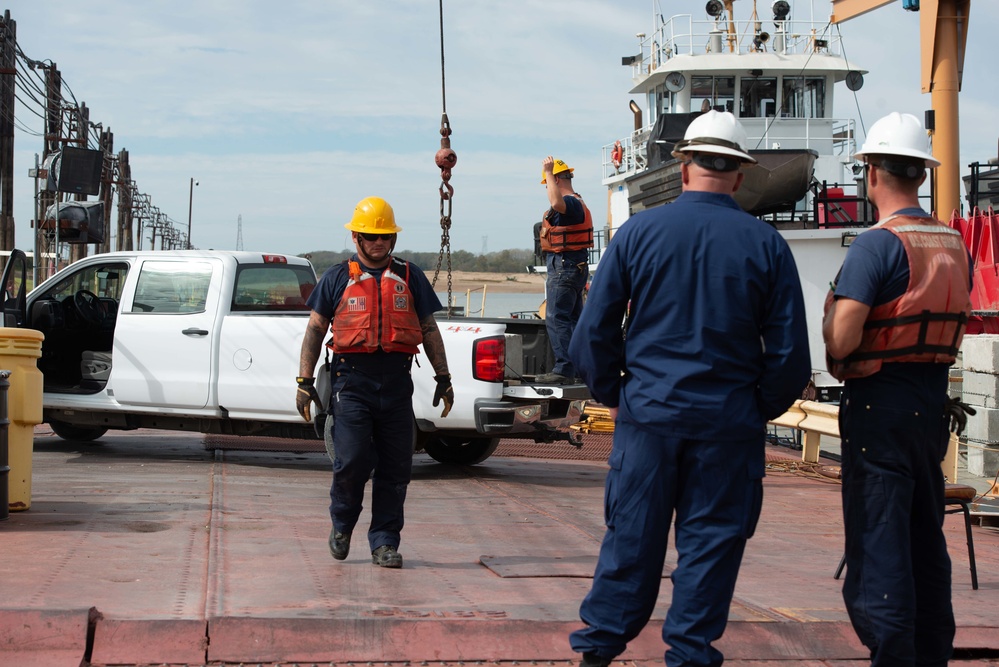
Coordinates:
379 309
566 237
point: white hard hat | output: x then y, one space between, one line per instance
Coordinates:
898 134
717 132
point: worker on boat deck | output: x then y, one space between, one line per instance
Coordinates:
379 309
893 323
566 237
715 345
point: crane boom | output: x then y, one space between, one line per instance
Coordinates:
943 30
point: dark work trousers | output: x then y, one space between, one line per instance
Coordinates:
898 574
715 491
563 303
372 403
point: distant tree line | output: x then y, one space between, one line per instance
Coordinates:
503 261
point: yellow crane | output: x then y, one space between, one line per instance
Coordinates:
943 32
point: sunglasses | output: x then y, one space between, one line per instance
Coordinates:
376 237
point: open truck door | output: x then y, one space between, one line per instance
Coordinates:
15 289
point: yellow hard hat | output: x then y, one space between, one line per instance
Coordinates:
374 216
557 169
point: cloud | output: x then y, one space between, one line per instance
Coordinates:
289 114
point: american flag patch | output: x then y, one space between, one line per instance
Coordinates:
401 302
357 303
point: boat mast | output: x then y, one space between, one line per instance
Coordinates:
731 25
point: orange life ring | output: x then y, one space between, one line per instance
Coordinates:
616 155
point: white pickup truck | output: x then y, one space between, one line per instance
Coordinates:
209 341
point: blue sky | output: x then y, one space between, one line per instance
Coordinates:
287 114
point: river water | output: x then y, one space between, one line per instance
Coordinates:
496 304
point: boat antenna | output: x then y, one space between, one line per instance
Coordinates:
445 159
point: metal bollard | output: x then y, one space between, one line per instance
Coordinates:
4 463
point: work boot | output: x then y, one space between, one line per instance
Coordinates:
594 660
339 544
552 378
386 556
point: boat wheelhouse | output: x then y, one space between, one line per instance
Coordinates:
778 76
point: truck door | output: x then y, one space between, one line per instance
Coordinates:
164 344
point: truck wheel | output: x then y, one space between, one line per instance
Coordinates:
460 451
78 433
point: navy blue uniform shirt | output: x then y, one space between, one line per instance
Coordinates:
716 340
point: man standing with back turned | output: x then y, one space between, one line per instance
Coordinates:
715 345
893 325
566 237
379 308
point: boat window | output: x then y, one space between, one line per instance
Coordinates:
712 92
804 97
757 97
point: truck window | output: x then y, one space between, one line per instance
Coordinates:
172 287
272 288
104 281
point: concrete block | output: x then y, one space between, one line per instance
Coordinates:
981 389
983 461
983 426
981 353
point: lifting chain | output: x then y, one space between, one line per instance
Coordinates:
445 159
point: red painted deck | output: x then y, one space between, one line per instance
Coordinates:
148 548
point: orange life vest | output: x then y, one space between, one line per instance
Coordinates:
927 322
560 238
368 318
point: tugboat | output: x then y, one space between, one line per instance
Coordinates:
778 77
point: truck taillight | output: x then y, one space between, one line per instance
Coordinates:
275 259
489 359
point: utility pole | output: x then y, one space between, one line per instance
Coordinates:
8 73
126 203
107 184
81 126
239 232
48 247
190 207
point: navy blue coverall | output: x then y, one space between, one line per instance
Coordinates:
715 345
372 405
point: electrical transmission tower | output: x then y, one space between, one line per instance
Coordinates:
239 232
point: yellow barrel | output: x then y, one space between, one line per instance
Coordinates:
19 351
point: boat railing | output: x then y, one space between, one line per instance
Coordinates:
827 136
632 159
683 35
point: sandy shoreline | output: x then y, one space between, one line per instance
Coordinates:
499 283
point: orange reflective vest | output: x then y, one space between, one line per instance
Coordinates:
925 324
368 318
560 238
